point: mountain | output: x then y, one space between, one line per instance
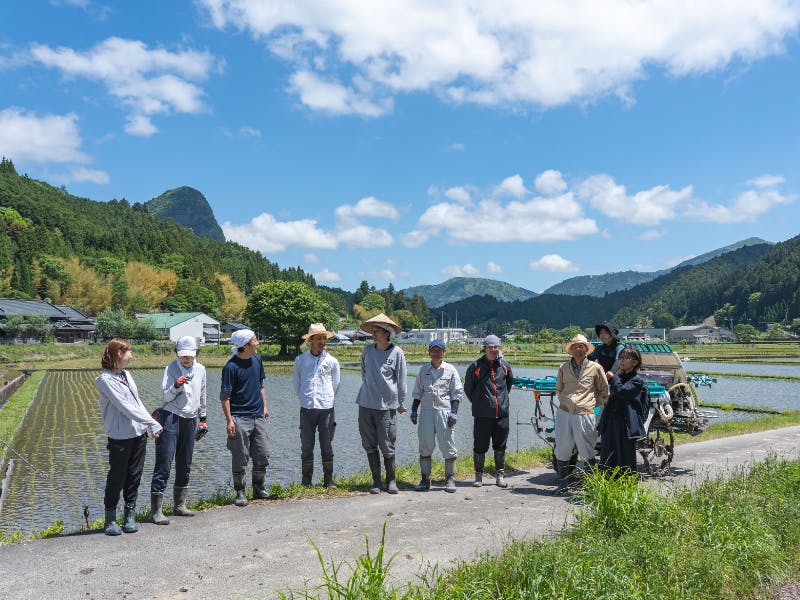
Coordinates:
757 282
600 285
188 207
458 288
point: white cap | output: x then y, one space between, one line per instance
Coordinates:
186 346
241 338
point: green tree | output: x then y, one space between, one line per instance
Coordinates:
745 333
373 301
406 319
795 326
112 322
665 320
283 310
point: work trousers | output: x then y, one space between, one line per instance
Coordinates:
176 441
378 429
126 463
249 443
313 421
432 426
489 429
574 431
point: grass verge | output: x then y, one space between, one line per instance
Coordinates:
732 538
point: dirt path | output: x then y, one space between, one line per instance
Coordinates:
232 552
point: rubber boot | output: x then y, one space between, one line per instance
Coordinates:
111 526
156 506
259 487
478 458
500 469
179 502
391 484
308 473
374 459
449 475
238 486
425 468
327 474
562 468
130 526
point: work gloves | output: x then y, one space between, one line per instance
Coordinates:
181 380
202 429
414 417
451 420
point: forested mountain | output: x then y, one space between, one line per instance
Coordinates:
600 285
188 207
458 288
96 254
755 283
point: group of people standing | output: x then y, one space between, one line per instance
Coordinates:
436 398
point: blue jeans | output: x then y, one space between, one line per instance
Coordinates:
176 441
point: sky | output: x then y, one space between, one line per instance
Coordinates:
410 141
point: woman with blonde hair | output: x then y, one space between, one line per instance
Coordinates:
126 421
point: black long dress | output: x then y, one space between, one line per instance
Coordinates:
621 422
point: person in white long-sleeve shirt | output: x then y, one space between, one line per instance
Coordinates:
126 421
183 415
315 379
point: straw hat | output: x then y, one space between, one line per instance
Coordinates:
317 329
381 321
579 339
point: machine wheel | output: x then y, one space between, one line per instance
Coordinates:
657 451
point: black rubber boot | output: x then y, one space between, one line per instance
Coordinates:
179 507
239 488
259 487
449 475
156 507
327 474
111 526
391 484
374 459
478 458
500 469
425 469
308 473
130 526
562 468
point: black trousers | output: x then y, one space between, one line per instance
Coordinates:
313 420
489 429
126 462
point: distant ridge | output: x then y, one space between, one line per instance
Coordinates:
458 288
188 207
600 285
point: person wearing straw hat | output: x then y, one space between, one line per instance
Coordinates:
437 393
244 404
581 385
315 379
487 385
382 395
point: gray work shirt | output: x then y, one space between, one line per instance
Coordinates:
436 389
383 374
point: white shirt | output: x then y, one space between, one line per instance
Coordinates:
316 379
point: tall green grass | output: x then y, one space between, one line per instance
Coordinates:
734 538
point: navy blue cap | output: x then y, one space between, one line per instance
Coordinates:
436 344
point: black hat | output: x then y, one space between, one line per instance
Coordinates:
612 329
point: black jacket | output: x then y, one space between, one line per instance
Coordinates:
626 401
486 386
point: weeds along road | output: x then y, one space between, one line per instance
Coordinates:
250 552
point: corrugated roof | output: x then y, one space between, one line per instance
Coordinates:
169 320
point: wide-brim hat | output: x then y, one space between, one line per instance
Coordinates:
579 340
612 329
381 321
318 329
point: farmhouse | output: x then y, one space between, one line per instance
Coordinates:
699 334
65 323
175 325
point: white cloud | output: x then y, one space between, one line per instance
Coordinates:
746 207
415 238
457 146
81 174
550 183
466 270
651 234
27 137
384 275
459 194
767 181
266 234
511 186
366 207
493 267
553 263
328 276
310 257
148 81
248 131
362 236
346 59
648 207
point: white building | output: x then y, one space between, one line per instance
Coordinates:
449 335
699 334
176 325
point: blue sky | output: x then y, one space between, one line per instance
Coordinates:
409 141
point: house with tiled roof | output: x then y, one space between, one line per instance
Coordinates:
66 324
